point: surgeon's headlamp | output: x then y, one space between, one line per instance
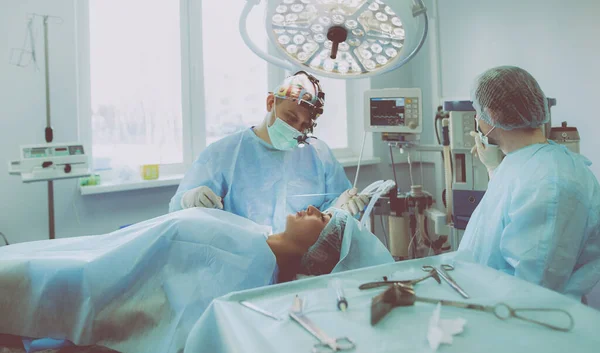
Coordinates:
315 108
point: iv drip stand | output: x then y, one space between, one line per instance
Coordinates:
48 130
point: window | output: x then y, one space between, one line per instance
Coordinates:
164 79
332 126
235 79
135 79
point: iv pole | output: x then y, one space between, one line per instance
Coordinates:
48 131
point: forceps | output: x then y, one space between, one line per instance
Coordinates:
326 343
402 296
443 272
433 273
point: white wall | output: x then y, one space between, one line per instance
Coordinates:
555 40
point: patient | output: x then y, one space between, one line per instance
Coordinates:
310 244
142 288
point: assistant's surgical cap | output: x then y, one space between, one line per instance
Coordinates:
514 97
304 89
324 254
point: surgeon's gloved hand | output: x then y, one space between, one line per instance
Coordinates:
489 155
350 201
201 196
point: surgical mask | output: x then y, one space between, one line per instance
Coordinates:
282 135
484 138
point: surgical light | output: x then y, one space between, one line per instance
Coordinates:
341 38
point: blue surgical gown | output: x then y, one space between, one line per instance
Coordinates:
540 220
259 182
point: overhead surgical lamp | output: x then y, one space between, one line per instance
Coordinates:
341 38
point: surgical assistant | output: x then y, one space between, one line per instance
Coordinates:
540 217
256 172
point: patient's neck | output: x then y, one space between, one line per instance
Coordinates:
287 254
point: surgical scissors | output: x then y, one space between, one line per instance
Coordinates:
326 343
443 272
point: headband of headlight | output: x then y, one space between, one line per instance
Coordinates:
304 89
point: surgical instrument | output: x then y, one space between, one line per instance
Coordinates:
342 303
316 195
433 274
443 272
259 310
403 296
326 343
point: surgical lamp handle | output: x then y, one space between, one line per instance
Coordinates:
243 28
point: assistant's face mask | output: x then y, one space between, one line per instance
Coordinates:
282 135
484 138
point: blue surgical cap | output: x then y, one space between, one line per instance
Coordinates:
514 97
324 254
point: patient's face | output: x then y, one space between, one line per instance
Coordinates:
306 226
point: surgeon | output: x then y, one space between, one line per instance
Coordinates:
262 172
540 217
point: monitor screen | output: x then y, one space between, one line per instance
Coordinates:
387 111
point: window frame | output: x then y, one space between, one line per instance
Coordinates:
84 109
193 91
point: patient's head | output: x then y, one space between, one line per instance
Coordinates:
311 242
324 254
305 226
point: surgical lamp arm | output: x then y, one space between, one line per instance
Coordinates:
243 28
